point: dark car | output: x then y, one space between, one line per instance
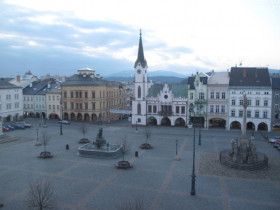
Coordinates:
9 126
276 125
16 126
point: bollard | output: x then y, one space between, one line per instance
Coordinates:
136 153
67 146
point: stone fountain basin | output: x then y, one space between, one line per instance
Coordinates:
90 150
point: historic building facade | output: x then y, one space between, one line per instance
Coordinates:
87 96
11 106
275 108
217 111
256 84
53 101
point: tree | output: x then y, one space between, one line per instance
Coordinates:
147 134
124 148
41 196
124 164
45 141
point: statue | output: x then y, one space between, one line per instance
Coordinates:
100 133
99 141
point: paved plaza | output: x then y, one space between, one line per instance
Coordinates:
156 178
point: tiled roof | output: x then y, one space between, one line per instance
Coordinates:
78 79
6 85
249 76
178 90
219 78
275 82
38 88
191 80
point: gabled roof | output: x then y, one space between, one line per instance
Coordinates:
38 88
249 76
140 57
191 80
85 80
275 82
4 84
178 90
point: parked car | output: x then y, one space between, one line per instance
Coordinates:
5 129
24 124
17 126
276 125
9 126
273 140
64 122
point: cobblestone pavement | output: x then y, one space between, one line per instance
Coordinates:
156 178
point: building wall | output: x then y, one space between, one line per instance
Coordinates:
28 105
11 103
53 104
93 102
275 108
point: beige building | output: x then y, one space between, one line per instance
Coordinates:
87 96
53 101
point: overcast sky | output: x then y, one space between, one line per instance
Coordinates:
184 36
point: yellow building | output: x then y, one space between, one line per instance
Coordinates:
88 97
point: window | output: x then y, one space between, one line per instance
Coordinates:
249 102
50 98
183 110
154 109
257 102
139 108
233 102
240 113
86 94
65 94
177 109
17 105
233 113
72 105
276 95
93 106
191 96
265 102
266 93
201 95
50 106
223 95
72 94
212 95
57 98
249 113
264 114
139 92
241 102
223 108
211 108
53 107
149 109
65 105
217 108
16 96
80 94
57 107
257 114
217 95
276 106
9 106
93 94
53 98
86 106
77 94
257 93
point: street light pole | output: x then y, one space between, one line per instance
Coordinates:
61 129
199 131
136 129
193 169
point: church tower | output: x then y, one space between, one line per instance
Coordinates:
140 87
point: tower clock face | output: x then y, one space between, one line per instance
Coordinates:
139 71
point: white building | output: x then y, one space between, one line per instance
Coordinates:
256 83
53 101
217 112
156 103
11 106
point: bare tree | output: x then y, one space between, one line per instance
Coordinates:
41 196
45 140
136 204
147 133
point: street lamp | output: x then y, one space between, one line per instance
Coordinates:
193 169
136 129
199 133
61 129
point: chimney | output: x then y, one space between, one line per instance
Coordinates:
244 73
30 85
18 78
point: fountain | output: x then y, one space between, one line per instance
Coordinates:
100 149
243 154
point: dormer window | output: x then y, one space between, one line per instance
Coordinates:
139 71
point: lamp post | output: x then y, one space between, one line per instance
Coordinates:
193 169
176 147
37 142
61 129
136 129
199 131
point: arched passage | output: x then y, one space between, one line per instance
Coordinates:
165 121
79 117
94 117
250 126
53 116
65 116
180 122
152 121
73 117
86 117
235 125
262 127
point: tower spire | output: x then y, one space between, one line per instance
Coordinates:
140 57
